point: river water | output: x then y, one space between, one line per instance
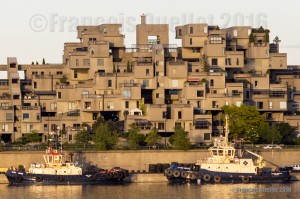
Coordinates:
153 190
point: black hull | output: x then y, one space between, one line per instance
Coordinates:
24 179
206 177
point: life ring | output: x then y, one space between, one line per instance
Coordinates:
79 172
121 175
39 179
206 177
109 175
176 174
245 179
217 179
169 173
193 176
19 178
116 175
184 174
60 178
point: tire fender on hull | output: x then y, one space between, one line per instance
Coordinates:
39 179
206 177
245 179
217 179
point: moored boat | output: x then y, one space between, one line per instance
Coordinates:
227 164
56 171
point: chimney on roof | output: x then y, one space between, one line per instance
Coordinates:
143 19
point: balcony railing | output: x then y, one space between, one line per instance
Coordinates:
30 107
6 107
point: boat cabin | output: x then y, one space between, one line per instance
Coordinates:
53 157
222 151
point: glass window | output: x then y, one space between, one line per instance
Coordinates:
8 116
25 116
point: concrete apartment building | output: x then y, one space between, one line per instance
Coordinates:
153 83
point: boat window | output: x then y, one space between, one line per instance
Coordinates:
214 152
220 152
50 159
229 152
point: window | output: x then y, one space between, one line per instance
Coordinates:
215 39
77 62
29 127
25 116
110 105
157 95
201 124
71 105
75 74
255 84
179 114
14 81
196 50
109 83
37 116
164 114
95 115
191 30
4 127
59 95
260 105
145 83
8 116
237 61
214 104
228 61
87 105
191 41
86 62
206 136
295 106
200 93
45 127
205 30
53 106
126 94
126 104
147 72
179 32
211 82
161 126
177 125
70 138
59 73
100 62
214 62
235 33
270 105
137 104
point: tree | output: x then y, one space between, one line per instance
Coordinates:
44 61
267 37
180 139
128 70
33 136
32 63
152 138
36 63
251 38
83 137
286 132
271 135
135 138
245 122
105 136
63 79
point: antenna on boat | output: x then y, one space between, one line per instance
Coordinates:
226 127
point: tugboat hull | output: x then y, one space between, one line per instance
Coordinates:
207 177
23 178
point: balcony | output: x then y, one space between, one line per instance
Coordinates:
30 107
6 108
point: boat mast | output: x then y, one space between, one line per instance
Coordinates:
226 128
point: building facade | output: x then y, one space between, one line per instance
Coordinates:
154 84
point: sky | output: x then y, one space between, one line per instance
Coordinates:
34 29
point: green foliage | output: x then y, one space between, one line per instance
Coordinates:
128 70
286 132
82 137
142 106
105 136
271 135
63 79
44 61
205 64
135 138
267 37
36 63
245 122
152 138
180 139
203 80
261 30
32 63
251 38
33 136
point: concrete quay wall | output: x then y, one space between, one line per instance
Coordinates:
139 160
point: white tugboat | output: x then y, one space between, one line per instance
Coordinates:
55 172
227 164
